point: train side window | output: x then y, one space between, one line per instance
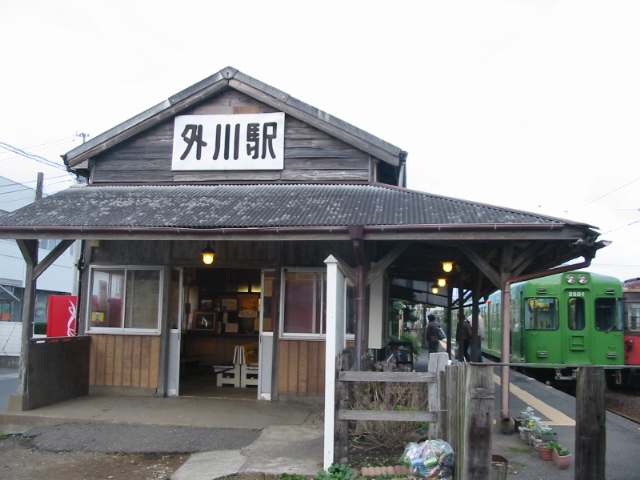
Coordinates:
633 317
541 314
576 314
608 314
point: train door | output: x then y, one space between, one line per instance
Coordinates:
632 327
576 330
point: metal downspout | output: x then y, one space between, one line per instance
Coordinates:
506 325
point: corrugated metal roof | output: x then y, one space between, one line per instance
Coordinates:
263 205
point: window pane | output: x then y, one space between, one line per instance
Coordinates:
298 302
576 313
633 317
351 310
541 314
107 291
608 314
143 287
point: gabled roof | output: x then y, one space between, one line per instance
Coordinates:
231 78
326 207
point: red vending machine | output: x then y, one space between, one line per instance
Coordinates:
61 316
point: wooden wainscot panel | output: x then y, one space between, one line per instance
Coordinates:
124 361
301 368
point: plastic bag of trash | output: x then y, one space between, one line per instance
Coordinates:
429 459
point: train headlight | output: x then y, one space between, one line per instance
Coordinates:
582 279
571 279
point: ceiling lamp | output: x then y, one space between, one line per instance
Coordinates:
208 255
442 282
447 266
434 290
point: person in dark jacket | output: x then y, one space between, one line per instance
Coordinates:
433 338
463 338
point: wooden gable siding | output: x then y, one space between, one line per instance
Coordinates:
301 368
310 154
124 361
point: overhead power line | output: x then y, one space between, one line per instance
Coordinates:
32 156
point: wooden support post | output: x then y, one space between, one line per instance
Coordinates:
591 432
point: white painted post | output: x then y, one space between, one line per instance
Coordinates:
335 344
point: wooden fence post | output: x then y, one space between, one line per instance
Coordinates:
480 399
591 432
437 364
341 438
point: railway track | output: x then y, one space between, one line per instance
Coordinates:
625 404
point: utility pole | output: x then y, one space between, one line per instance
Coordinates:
39 186
83 135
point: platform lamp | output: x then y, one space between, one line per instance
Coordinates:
208 254
434 290
447 266
442 282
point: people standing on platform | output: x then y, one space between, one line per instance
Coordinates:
463 338
477 340
433 333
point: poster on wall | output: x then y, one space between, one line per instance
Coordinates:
228 142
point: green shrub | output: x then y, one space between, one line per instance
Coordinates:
40 328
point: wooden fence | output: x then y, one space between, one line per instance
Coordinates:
461 404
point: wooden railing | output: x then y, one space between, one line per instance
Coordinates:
461 402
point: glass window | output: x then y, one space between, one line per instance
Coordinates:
304 303
576 316
633 317
350 309
125 299
541 314
608 314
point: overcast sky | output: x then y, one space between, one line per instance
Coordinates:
533 105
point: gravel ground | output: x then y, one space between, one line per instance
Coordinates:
88 451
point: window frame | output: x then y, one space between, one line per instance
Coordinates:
323 301
126 269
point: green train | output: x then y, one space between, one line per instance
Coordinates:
573 318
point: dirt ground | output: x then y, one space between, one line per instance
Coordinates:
19 460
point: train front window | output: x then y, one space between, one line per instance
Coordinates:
541 314
576 315
608 314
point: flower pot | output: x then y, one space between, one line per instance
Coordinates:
549 437
562 462
545 451
525 435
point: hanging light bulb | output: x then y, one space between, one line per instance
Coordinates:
208 254
442 282
434 290
447 266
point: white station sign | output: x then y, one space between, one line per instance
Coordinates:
228 142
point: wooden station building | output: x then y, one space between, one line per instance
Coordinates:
274 187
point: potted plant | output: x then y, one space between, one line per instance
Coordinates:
547 434
545 450
561 457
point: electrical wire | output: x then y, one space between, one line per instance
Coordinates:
32 156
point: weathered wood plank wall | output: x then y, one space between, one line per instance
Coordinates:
302 366
310 154
124 361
